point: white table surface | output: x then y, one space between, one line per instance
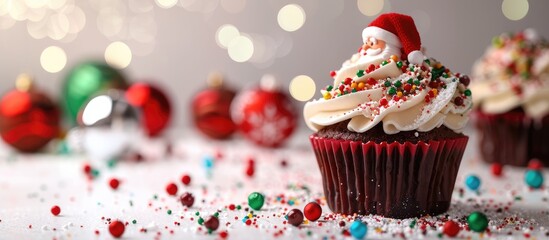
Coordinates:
31 184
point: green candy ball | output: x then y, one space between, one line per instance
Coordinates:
477 221
84 81
256 200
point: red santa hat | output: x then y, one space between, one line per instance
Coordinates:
398 30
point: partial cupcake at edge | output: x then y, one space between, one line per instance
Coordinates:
388 129
511 86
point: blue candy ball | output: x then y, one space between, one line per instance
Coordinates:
533 178
472 182
358 229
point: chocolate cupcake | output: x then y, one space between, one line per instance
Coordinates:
511 85
388 135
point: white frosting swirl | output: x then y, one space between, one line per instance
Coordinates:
498 90
365 111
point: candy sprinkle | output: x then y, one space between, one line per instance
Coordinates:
256 200
55 210
358 229
171 189
472 182
116 228
295 217
312 211
533 178
212 223
477 221
451 228
187 199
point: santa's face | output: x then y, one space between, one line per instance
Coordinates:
373 46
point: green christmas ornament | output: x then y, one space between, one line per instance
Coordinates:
477 221
84 81
256 200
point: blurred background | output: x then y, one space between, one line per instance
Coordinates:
177 43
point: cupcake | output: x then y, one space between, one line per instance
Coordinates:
388 135
511 85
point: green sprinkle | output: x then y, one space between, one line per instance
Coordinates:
411 68
169 212
410 81
238 207
197 213
216 214
309 233
413 223
384 63
392 91
200 220
416 82
398 84
387 83
329 88
155 197
354 90
399 64
467 92
134 221
445 75
112 163
360 73
427 61
95 172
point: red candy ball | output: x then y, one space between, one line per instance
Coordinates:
154 104
187 199
186 179
451 228
28 118
295 217
55 210
264 116
497 169
114 183
116 228
212 223
171 189
535 164
312 211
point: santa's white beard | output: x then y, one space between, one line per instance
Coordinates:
374 56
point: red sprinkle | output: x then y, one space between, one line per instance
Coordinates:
171 189
383 102
332 73
55 210
451 228
496 169
372 81
116 228
535 164
348 81
186 179
114 183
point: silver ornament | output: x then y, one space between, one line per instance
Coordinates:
109 125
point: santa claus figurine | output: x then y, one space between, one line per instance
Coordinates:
389 34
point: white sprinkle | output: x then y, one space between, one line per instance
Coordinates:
416 134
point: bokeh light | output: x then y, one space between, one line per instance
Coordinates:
53 59
515 9
302 88
225 34
166 3
291 17
240 49
370 7
118 55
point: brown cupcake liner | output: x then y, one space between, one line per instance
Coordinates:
396 180
512 138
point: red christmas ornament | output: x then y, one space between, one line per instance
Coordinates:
154 104
116 228
211 109
312 211
28 118
264 115
186 179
